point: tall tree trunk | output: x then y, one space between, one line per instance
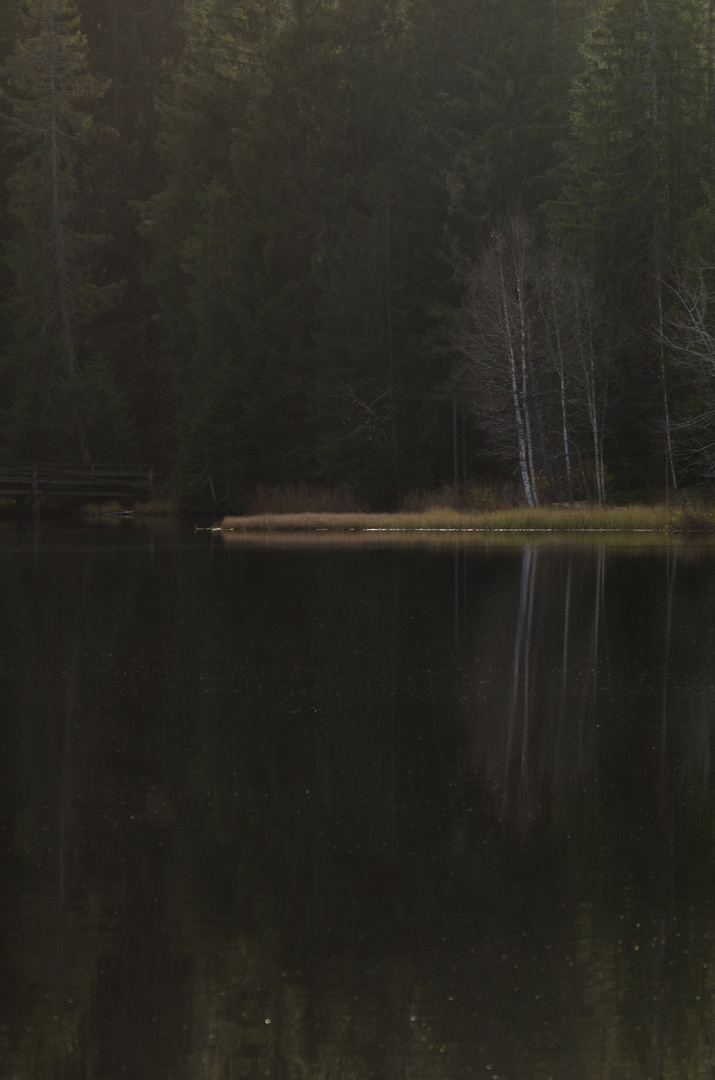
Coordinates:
525 380
561 370
520 420
711 78
59 259
670 461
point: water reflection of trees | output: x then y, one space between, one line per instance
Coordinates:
217 821
575 666
595 732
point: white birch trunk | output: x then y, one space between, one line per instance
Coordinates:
524 374
522 443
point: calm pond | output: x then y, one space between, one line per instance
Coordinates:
328 809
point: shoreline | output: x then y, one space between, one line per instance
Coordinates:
547 519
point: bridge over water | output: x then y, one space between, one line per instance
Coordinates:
30 481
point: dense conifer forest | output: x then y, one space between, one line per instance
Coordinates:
388 244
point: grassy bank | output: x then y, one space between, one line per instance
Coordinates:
541 519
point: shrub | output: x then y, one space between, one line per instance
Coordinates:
304 498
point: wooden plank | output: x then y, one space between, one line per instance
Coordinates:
73 479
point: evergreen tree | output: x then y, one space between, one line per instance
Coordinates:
495 81
136 47
227 255
285 251
633 173
639 141
8 33
49 95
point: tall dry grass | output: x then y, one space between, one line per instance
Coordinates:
540 519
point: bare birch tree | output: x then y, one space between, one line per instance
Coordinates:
498 342
688 338
577 342
594 366
555 338
541 364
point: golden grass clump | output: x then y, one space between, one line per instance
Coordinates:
556 518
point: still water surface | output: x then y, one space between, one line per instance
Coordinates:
338 811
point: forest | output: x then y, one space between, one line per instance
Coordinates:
383 245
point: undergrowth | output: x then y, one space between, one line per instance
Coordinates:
304 498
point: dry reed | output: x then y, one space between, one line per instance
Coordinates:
539 519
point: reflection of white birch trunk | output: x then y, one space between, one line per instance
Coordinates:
567 620
595 643
671 567
521 697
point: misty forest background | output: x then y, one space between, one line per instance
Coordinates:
386 244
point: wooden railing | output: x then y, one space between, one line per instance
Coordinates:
35 479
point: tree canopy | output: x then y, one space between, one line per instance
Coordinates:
245 242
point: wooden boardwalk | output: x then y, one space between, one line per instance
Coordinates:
30 482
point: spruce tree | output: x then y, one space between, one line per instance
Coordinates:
639 140
49 94
633 174
8 33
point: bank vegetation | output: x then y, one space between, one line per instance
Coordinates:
659 518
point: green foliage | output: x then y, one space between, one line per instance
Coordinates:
49 255
41 421
269 255
639 139
209 459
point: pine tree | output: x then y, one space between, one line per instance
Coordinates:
48 97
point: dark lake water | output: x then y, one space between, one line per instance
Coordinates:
341 810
